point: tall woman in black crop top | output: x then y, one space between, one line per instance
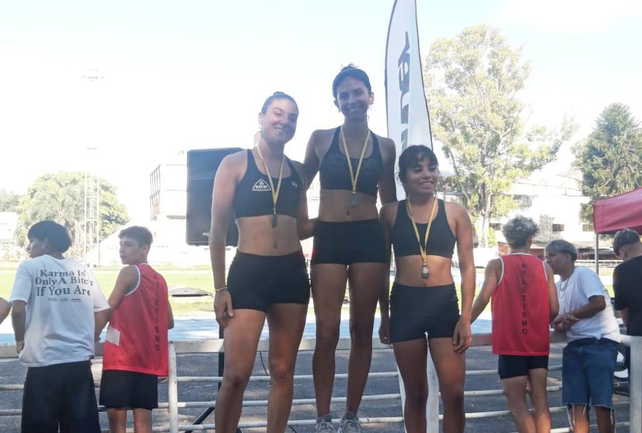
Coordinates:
268 277
423 232
353 164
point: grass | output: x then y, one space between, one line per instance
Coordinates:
193 308
4 266
200 279
196 278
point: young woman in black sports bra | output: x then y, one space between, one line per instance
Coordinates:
268 277
423 232
353 164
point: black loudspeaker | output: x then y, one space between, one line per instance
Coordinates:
201 169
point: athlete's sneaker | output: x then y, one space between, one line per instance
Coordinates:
324 427
350 426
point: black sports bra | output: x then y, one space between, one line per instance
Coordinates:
253 195
334 172
441 241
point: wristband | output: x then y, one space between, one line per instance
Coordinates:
220 289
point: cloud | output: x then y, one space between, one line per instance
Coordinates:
571 16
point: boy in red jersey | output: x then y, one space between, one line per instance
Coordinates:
136 343
524 304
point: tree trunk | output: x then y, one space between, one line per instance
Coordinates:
483 230
480 231
485 220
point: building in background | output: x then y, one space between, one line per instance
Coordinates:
8 224
167 210
168 190
9 250
553 198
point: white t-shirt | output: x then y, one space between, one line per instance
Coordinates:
574 293
62 297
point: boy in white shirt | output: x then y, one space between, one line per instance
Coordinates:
57 312
592 333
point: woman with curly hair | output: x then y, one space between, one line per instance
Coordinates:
524 302
424 309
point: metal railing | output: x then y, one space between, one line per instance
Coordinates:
173 405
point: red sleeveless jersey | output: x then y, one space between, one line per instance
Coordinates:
137 334
521 308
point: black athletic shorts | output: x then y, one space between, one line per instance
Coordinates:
60 395
128 390
346 243
514 366
256 282
417 311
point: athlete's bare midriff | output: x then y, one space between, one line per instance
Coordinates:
257 236
336 206
409 271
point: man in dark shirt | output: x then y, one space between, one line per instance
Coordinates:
627 280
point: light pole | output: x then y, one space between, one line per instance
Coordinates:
91 224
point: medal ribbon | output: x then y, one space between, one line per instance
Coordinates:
422 248
275 193
354 178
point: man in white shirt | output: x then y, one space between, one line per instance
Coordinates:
57 312
592 334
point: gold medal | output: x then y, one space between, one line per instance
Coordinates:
425 272
354 177
354 199
275 193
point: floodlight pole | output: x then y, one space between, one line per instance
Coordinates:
92 193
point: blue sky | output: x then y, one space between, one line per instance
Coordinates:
193 74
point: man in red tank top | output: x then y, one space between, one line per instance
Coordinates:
524 302
136 344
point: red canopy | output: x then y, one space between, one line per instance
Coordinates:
619 212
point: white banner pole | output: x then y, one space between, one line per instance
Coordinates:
409 124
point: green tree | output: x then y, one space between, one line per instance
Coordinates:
61 197
473 82
610 157
9 201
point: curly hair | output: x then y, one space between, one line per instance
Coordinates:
412 155
518 230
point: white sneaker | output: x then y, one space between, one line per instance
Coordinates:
350 426
324 427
